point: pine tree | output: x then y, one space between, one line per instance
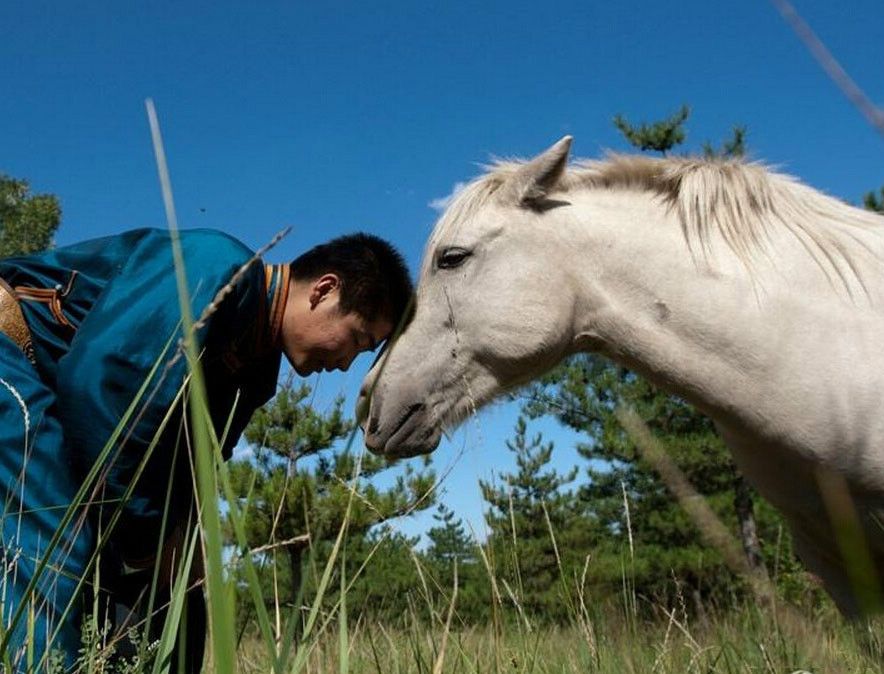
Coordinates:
874 203
27 222
449 542
734 147
659 136
535 526
453 551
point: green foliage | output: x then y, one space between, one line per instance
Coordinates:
873 202
27 221
659 136
104 652
734 147
663 136
388 582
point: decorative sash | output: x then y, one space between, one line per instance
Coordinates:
12 321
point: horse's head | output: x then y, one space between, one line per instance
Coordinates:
493 309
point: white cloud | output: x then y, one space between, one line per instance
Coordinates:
441 203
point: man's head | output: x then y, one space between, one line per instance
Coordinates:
346 296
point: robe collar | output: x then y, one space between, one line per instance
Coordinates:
276 284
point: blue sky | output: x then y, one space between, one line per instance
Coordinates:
335 117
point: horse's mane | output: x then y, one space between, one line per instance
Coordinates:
739 201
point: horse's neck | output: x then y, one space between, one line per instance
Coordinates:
787 362
647 301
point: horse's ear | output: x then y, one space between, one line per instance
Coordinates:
538 177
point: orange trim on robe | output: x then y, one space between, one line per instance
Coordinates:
281 276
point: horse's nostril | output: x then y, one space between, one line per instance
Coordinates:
410 412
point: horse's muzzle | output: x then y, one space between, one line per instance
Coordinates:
411 434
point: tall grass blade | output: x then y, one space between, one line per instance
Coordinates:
851 541
173 617
343 640
254 584
440 660
301 655
220 606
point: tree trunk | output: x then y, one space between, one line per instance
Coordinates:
296 553
745 509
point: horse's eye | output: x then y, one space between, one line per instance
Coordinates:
449 258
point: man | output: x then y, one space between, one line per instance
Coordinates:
92 383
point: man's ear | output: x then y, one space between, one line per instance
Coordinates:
324 287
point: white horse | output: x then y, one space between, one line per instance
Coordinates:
752 296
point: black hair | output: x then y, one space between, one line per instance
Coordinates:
375 282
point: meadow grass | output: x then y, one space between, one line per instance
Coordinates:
745 640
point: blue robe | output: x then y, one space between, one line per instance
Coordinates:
102 315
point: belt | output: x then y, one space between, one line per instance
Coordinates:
12 321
